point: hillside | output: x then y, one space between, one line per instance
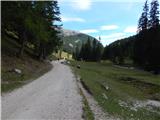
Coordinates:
73 38
17 71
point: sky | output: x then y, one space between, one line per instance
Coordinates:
110 19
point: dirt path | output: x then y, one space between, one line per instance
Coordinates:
53 96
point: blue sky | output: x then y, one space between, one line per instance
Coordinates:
109 19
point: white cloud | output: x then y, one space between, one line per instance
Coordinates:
107 39
86 4
78 4
109 27
131 29
72 19
81 4
89 31
114 35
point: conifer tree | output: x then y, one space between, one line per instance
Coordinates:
154 14
34 23
143 21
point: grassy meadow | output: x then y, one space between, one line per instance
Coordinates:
119 91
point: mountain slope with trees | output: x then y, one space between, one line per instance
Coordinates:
73 40
143 47
32 23
28 37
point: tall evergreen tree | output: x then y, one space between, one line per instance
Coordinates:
98 52
143 21
47 13
76 53
87 50
82 51
154 14
94 45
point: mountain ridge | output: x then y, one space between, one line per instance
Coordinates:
71 39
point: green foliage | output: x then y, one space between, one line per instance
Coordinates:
90 51
119 50
33 21
31 68
77 39
147 43
142 48
143 21
154 14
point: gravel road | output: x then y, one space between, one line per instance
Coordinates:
53 96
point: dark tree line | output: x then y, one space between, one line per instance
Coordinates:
34 24
144 47
90 51
119 50
147 43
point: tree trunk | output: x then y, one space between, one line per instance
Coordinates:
23 40
41 51
44 53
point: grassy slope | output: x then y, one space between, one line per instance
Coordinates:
31 68
124 84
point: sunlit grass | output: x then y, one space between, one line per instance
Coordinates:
124 85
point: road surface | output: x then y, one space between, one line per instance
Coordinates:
53 96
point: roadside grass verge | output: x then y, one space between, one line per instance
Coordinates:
31 69
87 112
117 89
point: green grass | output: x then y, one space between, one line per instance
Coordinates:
87 112
31 68
124 84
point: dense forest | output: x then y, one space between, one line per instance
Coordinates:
32 25
142 48
90 51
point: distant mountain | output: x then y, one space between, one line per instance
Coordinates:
71 39
65 32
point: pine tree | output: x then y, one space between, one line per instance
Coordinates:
154 14
76 53
147 42
143 21
81 54
98 52
47 13
87 50
94 45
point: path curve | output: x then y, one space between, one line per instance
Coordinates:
53 96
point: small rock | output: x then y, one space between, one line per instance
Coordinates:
107 88
78 66
104 95
132 115
18 71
